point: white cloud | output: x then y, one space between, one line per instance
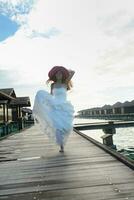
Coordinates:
74 34
16 8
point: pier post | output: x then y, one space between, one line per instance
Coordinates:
108 136
20 123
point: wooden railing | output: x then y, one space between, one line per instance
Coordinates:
13 127
104 125
109 128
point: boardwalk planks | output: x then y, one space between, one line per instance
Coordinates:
32 168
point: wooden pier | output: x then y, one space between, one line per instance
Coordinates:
31 168
103 125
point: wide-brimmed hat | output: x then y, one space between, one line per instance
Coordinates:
55 69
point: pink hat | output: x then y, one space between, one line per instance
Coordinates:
56 69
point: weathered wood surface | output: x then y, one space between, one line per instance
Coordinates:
32 168
103 125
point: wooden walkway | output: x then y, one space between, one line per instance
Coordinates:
31 168
103 125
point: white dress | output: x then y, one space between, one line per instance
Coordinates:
54 113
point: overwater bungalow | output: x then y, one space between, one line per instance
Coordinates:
119 109
11 105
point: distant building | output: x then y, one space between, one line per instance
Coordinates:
11 105
126 108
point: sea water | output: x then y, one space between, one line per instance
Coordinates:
123 139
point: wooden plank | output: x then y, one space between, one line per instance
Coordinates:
37 170
127 161
103 125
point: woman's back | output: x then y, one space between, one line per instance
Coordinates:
53 112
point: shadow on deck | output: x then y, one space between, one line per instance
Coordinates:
32 168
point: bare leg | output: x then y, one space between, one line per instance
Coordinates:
59 139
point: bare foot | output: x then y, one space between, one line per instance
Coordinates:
61 149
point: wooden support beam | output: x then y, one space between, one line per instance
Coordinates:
4 113
7 112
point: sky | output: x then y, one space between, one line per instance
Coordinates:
95 38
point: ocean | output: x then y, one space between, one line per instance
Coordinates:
123 139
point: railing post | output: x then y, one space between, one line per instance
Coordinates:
108 136
20 122
6 128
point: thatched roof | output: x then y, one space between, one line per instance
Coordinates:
116 105
26 110
21 101
4 96
9 94
8 91
106 107
127 103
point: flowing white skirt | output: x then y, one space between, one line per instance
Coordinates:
54 115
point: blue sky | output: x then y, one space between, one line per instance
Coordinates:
92 37
7 27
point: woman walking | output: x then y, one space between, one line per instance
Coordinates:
52 110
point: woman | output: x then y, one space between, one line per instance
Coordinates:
53 111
